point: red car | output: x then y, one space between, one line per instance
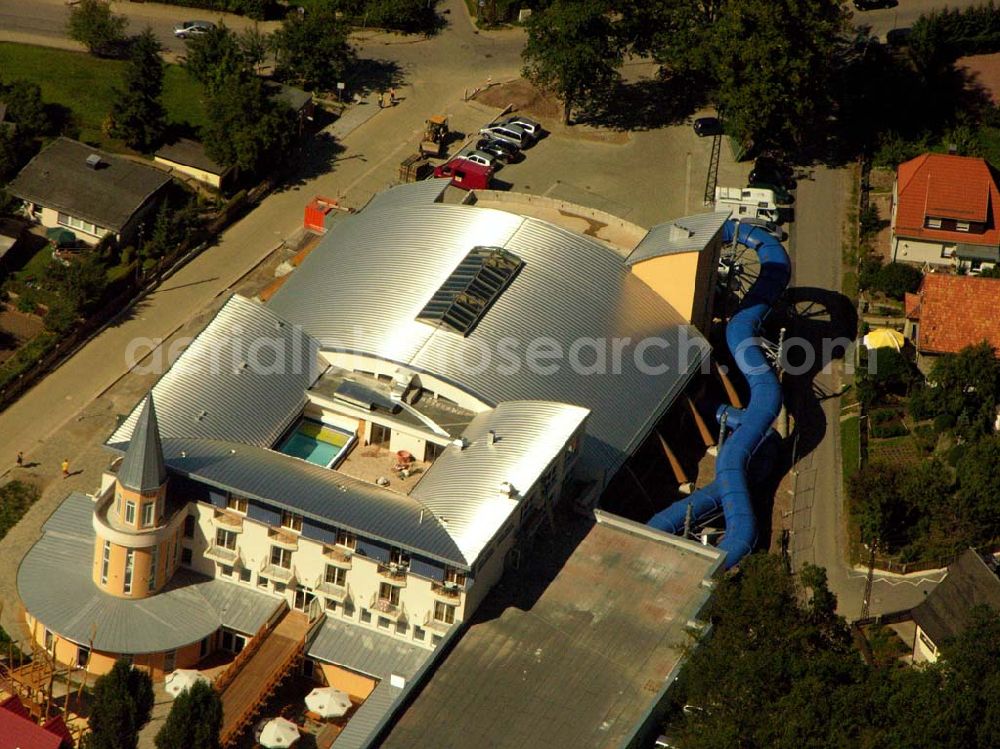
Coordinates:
466 174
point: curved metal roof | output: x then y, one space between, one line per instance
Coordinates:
363 287
242 379
316 492
463 487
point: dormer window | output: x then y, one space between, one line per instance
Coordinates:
933 223
961 226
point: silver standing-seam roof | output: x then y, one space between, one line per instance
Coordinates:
142 468
242 379
573 295
687 234
56 588
315 492
464 487
374 654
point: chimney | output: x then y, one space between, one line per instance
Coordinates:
94 161
491 437
953 149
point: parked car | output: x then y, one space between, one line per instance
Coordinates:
769 226
707 126
781 195
510 133
466 174
534 129
499 149
192 28
874 4
767 169
478 157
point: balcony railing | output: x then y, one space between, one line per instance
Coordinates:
276 572
448 591
227 520
395 573
284 539
222 554
338 556
331 590
436 624
385 607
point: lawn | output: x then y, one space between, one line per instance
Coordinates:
85 85
850 446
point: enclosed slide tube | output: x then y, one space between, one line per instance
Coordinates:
751 426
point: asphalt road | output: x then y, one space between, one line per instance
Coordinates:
904 14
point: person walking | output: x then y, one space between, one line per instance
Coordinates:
392 96
20 459
381 100
65 467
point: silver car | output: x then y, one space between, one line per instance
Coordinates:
510 133
478 157
192 28
532 128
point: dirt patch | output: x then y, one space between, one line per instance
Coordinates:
545 107
882 242
15 329
593 226
881 179
983 71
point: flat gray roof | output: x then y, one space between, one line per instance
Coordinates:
374 654
59 178
571 661
55 585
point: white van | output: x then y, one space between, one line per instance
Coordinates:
747 202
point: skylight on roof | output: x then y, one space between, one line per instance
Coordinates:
471 288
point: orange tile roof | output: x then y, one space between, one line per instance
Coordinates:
911 306
957 311
946 186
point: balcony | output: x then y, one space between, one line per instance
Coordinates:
451 592
384 607
338 556
278 574
339 593
284 539
222 555
394 573
229 521
436 624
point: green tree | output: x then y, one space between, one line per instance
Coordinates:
311 49
574 50
675 33
215 58
92 23
137 115
773 64
979 487
897 279
246 127
123 701
879 505
80 283
194 721
26 108
966 388
254 45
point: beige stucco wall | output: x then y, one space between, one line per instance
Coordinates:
673 277
201 175
357 686
923 651
50 219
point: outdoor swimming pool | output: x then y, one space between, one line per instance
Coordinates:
316 442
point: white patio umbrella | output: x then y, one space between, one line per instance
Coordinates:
328 702
181 679
277 733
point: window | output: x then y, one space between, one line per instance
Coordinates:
130 512
335 576
388 593
154 563
245 575
933 223
380 435
383 623
291 521
262 582
148 509
444 612
308 668
225 539
366 616
118 504
401 627
237 503
76 223
399 558
419 633
129 564
233 642
347 539
961 226
454 577
331 605
177 551
281 557
82 656
280 587
50 640
189 526
226 570
203 650
105 561
432 451
169 661
185 555
436 640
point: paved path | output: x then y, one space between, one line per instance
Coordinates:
818 522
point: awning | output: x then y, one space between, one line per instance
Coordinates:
978 252
61 237
884 338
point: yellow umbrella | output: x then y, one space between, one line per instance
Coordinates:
884 338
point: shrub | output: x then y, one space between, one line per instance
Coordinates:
925 438
896 279
955 454
883 416
921 403
944 423
892 429
869 220
868 271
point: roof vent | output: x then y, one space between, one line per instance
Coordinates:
184 453
201 415
491 437
461 443
506 488
94 161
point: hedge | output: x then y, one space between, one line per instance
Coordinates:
256 9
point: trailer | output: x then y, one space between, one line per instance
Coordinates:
413 168
747 202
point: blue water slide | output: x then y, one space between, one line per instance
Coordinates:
751 426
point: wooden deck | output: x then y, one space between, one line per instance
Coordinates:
257 678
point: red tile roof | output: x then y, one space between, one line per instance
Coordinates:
911 306
957 311
945 186
18 731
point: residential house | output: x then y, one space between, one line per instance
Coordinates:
971 581
946 212
949 312
189 157
92 193
301 102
